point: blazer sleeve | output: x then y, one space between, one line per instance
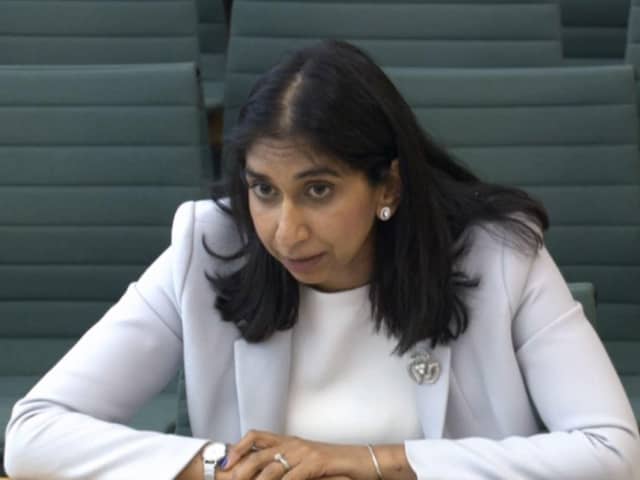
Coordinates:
69 424
592 432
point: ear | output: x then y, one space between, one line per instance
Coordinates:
391 188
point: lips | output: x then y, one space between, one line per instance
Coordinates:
302 265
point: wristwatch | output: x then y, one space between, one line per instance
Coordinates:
213 455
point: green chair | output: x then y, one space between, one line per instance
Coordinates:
90 32
570 137
60 32
594 31
183 426
585 293
632 53
93 163
458 33
212 35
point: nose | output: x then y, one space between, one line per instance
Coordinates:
292 228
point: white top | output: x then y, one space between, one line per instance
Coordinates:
346 386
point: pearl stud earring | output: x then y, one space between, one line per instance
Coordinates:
385 213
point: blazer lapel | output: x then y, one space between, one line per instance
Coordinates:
262 382
433 397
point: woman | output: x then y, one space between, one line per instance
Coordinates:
363 307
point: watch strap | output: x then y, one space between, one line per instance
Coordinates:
209 470
213 454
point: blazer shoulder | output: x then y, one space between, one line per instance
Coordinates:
203 217
491 244
197 224
500 260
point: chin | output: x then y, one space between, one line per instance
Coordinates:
307 279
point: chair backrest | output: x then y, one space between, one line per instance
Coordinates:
93 163
459 33
594 29
64 32
585 293
569 136
212 35
632 54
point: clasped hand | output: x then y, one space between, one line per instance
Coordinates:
254 458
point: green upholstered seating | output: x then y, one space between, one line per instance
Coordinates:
458 33
183 426
570 137
212 35
594 30
585 293
87 32
632 53
97 32
94 161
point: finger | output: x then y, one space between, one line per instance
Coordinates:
222 475
302 472
273 471
253 440
249 466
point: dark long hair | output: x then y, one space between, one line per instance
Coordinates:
337 100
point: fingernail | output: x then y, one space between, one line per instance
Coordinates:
223 462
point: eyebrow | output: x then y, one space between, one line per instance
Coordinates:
312 172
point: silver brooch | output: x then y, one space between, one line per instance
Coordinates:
423 368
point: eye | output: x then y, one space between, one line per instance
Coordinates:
263 191
319 191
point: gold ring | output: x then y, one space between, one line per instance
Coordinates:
278 457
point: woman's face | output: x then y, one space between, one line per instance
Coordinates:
313 213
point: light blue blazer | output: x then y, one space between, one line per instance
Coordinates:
527 392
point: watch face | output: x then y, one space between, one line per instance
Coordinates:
214 452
